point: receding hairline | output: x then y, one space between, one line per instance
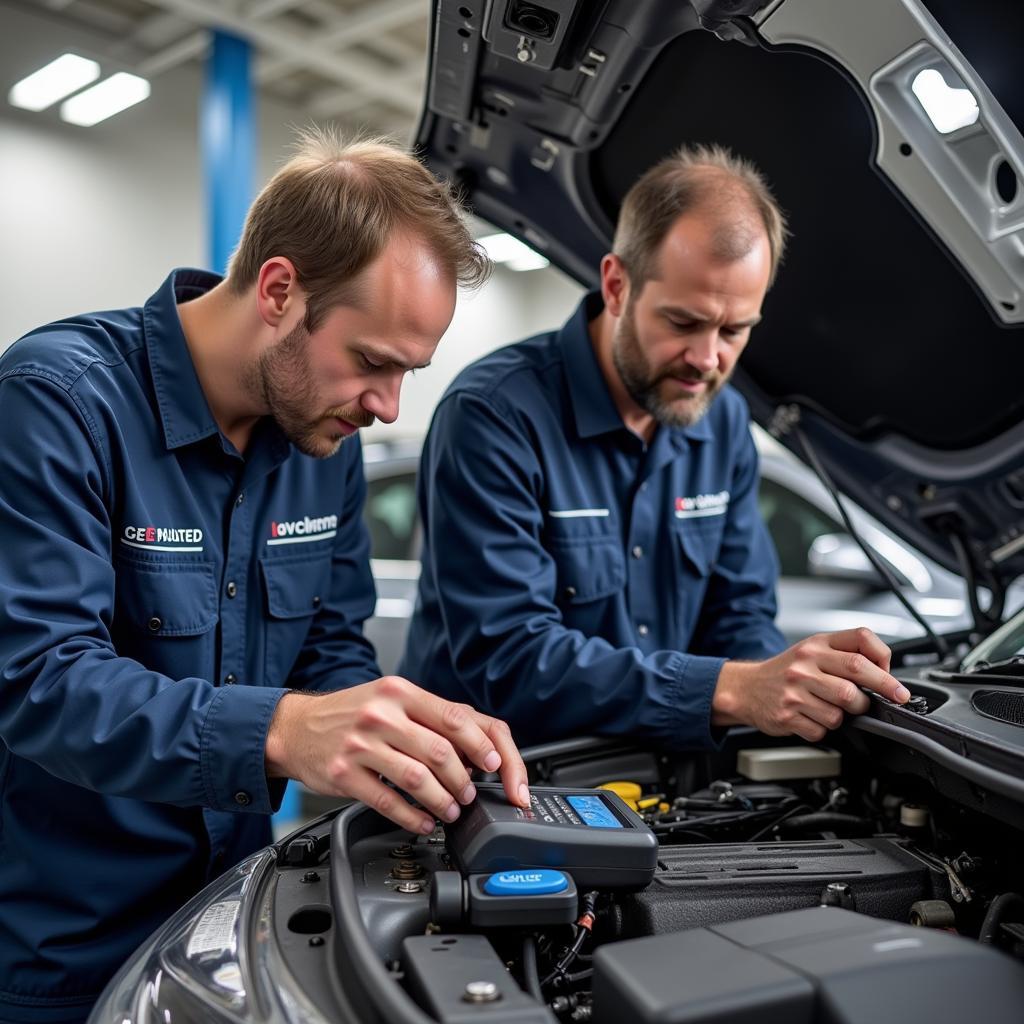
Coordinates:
331 207
707 181
734 232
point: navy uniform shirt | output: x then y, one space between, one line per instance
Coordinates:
575 579
158 592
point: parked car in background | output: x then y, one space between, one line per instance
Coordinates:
826 582
395 540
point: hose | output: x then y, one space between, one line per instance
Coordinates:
994 916
530 975
584 926
827 821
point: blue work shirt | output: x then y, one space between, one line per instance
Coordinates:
576 580
145 566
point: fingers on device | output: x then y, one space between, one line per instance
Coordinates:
518 865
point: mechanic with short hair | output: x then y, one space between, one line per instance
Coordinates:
184 571
594 560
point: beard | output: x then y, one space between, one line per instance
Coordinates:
653 390
283 377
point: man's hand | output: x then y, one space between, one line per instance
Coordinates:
340 743
806 689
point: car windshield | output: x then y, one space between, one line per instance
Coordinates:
1006 642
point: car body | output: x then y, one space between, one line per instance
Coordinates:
395 539
787 878
826 581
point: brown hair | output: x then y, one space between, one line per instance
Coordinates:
704 177
333 207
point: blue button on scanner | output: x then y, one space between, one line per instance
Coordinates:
526 882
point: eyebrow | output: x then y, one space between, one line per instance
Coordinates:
383 356
688 314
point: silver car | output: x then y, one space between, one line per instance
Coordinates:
826 583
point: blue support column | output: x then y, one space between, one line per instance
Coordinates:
228 141
228 137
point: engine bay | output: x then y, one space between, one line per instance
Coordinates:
786 882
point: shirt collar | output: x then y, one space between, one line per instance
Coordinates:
592 403
184 411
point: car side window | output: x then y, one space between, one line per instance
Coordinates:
794 524
390 514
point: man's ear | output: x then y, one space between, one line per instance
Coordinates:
277 290
614 284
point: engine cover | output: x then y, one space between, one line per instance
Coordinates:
820 966
709 884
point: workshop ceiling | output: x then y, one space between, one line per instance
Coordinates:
360 63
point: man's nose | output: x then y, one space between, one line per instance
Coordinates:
382 401
702 352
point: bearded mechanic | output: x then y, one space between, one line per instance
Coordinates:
594 561
185 574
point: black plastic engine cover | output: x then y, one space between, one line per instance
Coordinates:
709 884
819 966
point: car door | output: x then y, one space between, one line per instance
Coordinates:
391 516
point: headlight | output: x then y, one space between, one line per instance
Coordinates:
214 961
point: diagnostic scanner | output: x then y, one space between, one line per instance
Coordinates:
589 833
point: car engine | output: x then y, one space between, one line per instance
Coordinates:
878 879
787 882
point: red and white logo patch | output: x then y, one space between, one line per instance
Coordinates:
302 531
701 505
163 538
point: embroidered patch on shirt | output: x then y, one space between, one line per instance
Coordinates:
578 513
702 505
302 531
163 538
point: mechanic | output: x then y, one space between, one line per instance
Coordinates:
184 571
594 561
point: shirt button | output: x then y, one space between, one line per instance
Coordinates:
316 602
232 589
570 592
155 625
242 798
230 678
239 499
638 552
643 629
643 486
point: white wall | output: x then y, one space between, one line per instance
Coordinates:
94 218
512 305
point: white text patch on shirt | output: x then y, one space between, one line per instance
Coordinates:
163 538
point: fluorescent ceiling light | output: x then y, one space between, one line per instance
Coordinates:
502 248
947 108
110 97
44 87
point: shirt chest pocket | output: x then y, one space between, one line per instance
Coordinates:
587 568
295 589
697 545
698 542
165 614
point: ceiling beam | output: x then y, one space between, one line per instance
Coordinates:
155 31
193 46
370 23
339 102
305 50
397 49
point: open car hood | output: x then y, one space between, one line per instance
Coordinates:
894 337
